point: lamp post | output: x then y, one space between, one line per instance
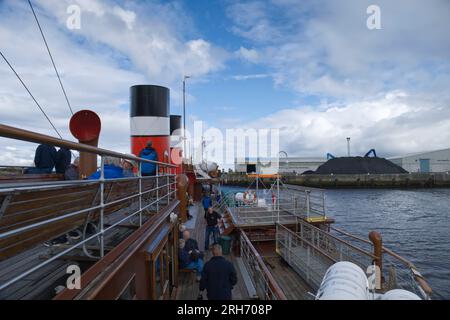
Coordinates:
184 114
348 146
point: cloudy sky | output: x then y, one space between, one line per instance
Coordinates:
311 68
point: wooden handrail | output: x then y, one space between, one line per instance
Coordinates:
420 280
29 136
271 281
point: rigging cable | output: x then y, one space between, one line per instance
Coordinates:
51 57
31 95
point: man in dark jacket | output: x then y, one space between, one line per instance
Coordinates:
191 245
206 202
212 226
218 277
44 160
186 260
148 169
63 160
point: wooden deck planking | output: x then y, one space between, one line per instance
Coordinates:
40 284
188 288
293 286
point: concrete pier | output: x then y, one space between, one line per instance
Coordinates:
403 180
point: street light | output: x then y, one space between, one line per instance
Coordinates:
184 113
348 146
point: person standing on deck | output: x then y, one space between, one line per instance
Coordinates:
44 160
218 277
206 202
212 226
149 153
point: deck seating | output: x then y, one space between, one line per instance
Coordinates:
22 207
18 178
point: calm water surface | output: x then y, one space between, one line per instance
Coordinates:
413 223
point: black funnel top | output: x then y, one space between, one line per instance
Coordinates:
149 101
175 123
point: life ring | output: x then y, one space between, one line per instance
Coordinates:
249 197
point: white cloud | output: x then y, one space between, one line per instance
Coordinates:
117 47
250 55
392 124
129 17
389 88
324 47
250 76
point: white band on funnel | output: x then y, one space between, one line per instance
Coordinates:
150 126
175 141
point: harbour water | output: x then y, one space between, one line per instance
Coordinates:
414 223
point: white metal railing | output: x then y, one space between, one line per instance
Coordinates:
283 206
310 251
161 191
265 285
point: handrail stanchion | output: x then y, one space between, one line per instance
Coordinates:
102 206
308 204
168 184
157 188
140 193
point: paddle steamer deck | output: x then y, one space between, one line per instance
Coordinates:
188 288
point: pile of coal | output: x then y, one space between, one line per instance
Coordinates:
359 165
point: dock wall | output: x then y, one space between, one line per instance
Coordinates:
403 180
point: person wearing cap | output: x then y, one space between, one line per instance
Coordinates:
128 168
148 153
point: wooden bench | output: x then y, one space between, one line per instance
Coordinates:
18 178
22 207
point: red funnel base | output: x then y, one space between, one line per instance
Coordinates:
160 144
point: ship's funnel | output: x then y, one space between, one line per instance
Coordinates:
176 152
150 112
85 126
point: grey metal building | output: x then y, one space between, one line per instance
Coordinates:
286 165
430 161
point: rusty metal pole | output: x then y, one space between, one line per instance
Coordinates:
182 184
377 242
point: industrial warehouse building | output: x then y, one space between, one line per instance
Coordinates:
286 165
432 161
